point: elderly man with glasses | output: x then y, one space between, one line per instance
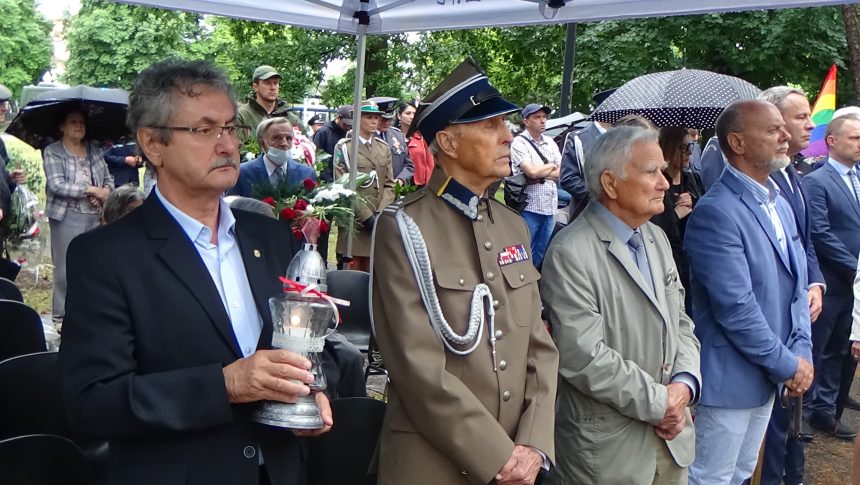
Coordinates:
167 354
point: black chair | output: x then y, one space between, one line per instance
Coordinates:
10 291
41 459
33 405
353 286
343 455
21 329
31 384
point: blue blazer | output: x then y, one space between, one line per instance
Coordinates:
835 228
749 299
254 172
799 203
711 164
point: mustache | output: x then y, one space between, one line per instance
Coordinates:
223 162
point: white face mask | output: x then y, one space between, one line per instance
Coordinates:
278 156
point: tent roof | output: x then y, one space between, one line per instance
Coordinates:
392 16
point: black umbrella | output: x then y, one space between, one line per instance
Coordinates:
105 109
690 98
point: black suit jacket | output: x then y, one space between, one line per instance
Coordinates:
144 343
571 178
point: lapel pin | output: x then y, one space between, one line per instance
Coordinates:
257 253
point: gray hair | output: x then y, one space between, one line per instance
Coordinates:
834 128
118 202
612 152
267 123
434 148
250 205
157 90
778 94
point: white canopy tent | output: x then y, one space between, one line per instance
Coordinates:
362 17
393 16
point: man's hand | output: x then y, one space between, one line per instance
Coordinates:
678 398
855 346
272 375
802 379
132 161
522 467
815 302
325 412
669 432
18 176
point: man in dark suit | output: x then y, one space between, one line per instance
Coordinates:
572 177
123 163
275 165
168 362
834 206
783 458
332 132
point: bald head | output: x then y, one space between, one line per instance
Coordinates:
753 137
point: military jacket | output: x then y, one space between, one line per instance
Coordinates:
451 418
401 162
374 160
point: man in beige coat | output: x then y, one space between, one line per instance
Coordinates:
456 310
629 362
374 160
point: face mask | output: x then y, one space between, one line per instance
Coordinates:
278 156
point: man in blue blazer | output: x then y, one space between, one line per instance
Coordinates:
275 136
835 212
749 284
783 455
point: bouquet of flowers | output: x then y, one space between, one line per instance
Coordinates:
309 208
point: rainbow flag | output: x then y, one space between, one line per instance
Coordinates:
822 112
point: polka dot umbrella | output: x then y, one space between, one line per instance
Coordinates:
691 98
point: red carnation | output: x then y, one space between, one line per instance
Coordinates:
301 205
288 214
324 227
309 184
269 200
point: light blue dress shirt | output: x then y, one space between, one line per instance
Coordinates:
766 196
224 263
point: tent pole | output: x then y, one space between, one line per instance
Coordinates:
566 106
361 37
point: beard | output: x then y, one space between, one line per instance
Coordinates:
778 163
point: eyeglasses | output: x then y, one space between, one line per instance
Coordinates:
210 133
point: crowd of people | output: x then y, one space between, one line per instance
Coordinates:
658 329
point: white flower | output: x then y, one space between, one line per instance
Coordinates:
297 154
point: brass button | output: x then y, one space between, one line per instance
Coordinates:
506 396
462 282
522 277
488 245
503 365
480 218
491 276
499 335
249 451
496 305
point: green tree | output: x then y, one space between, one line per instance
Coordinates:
110 43
25 44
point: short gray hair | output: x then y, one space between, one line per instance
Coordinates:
157 89
612 152
118 202
267 123
778 94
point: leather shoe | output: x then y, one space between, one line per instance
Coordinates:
833 427
806 434
852 403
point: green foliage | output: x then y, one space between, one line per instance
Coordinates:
299 55
25 44
22 156
110 43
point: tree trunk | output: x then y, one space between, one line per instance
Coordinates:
852 37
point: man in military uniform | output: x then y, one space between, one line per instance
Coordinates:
456 309
264 102
374 160
401 162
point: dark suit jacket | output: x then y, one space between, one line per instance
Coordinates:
254 172
835 218
572 179
401 162
799 205
144 344
122 173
